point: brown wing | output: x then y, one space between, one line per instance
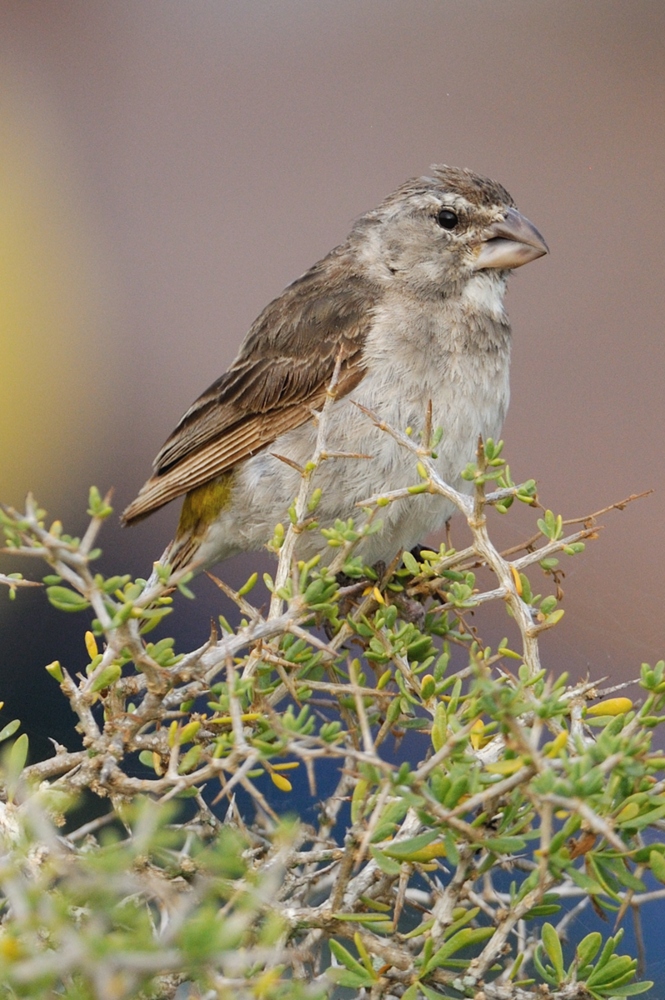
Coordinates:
283 370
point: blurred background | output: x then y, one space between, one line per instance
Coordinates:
166 168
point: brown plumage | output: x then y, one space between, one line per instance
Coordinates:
271 388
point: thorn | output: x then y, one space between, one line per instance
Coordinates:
288 461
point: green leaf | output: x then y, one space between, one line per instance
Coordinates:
645 819
18 754
618 972
9 729
404 850
543 910
543 972
432 994
451 847
361 918
504 845
462 921
632 989
352 980
387 865
410 563
191 759
608 950
584 881
588 948
411 993
55 671
96 505
656 859
616 867
463 939
64 599
552 946
551 526
107 677
347 960
245 589
14 762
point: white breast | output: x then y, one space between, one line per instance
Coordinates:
455 353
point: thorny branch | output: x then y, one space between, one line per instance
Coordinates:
422 843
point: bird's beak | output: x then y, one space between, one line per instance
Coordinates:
509 243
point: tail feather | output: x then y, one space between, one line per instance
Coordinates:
179 554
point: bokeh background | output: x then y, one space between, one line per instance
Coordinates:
166 168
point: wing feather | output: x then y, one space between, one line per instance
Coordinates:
282 372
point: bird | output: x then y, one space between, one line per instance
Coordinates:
408 313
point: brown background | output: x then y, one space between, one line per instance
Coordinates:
166 168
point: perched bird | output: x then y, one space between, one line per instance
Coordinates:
412 306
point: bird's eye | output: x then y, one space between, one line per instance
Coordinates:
447 219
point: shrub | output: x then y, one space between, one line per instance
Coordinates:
428 877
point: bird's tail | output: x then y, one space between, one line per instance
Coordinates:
180 555
200 508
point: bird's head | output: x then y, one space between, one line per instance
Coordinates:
434 233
